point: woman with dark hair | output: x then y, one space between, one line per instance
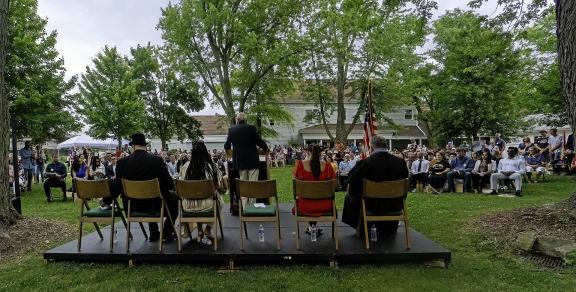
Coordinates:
482 171
97 169
312 169
439 167
200 167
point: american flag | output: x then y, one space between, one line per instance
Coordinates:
370 124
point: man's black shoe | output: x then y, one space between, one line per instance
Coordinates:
518 194
49 199
154 236
169 237
493 192
64 198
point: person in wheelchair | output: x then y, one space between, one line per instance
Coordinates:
509 168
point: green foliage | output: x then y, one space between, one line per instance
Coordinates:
353 41
35 82
108 99
235 47
475 78
169 96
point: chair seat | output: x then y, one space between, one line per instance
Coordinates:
259 212
392 213
145 214
199 213
326 214
98 212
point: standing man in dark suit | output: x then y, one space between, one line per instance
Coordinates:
379 166
141 165
244 140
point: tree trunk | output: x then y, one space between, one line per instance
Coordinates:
163 142
566 32
8 215
341 111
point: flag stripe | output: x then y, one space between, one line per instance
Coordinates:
370 124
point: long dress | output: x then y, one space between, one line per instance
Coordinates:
437 177
310 207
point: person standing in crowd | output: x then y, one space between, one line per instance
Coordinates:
111 168
523 148
379 166
56 173
142 166
555 143
40 156
461 167
244 141
478 145
509 168
541 143
26 160
200 167
498 142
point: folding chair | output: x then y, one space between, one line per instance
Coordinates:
263 189
91 189
141 190
314 190
386 190
198 190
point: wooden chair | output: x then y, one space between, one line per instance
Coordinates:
92 189
198 190
263 189
386 190
315 190
141 190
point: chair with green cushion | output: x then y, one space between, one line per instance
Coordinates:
386 190
142 190
263 189
198 190
315 190
87 190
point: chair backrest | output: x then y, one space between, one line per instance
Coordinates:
386 189
141 189
90 189
195 189
323 189
256 189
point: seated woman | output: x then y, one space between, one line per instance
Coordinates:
524 147
312 169
97 170
200 167
481 172
332 163
534 163
439 167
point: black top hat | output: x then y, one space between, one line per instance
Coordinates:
138 139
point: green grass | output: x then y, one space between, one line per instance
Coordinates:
475 266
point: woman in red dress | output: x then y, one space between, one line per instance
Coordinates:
312 169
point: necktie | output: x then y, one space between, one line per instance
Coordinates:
419 165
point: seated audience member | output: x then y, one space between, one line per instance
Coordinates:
496 157
379 166
482 171
419 172
523 148
312 169
534 163
200 167
439 167
461 167
509 168
171 164
111 168
56 178
97 170
542 144
555 143
344 167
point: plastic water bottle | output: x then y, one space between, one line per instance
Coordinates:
313 233
373 233
261 233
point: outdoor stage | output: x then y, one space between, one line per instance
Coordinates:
351 248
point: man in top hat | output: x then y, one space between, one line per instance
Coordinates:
140 166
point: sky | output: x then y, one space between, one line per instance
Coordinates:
85 26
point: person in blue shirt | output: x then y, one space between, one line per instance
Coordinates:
344 167
56 178
461 167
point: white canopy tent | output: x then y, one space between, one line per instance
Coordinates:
87 141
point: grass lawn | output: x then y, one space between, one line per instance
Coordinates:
477 263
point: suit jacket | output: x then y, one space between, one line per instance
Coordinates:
379 166
110 173
141 165
244 139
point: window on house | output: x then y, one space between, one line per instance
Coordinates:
408 114
271 122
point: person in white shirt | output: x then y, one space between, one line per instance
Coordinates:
419 171
172 166
509 168
555 143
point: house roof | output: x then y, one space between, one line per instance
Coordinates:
213 125
400 131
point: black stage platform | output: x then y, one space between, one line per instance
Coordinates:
351 249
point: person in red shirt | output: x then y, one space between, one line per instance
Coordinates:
312 169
